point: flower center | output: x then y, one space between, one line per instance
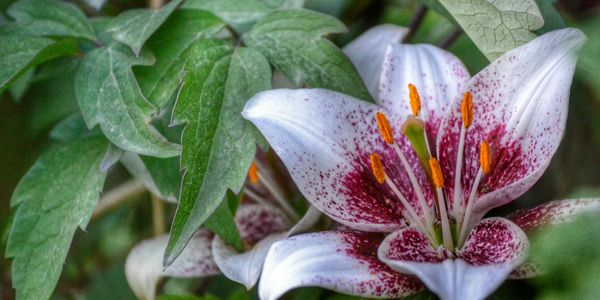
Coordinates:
437 216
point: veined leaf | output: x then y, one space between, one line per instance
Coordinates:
20 51
170 44
283 4
218 144
292 41
57 195
496 26
51 18
134 27
109 95
240 14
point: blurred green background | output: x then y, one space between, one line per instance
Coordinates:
94 267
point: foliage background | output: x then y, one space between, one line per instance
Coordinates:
94 267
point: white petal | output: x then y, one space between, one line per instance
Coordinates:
245 268
367 51
340 261
144 269
520 104
438 75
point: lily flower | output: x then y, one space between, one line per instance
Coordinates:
263 218
414 174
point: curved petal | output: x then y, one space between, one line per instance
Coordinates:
144 268
493 249
553 213
325 138
340 261
367 51
437 74
256 221
520 106
547 214
245 267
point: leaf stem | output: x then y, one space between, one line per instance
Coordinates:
415 23
116 197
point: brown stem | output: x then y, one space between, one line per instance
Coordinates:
448 41
155 4
116 197
158 216
415 23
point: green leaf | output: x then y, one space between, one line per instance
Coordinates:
552 18
134 27
292 41
51 18
588 59
284 4
159 175
20 51
109 95
239 14
170 45
496 26
218 144
222 222
54 198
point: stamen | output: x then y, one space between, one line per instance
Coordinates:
274 190
466 109
253 173
485 157
438 181
436 172
377 168
384 128
415 99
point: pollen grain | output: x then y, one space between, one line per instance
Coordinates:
415 99
466 109
377 168
253 173
384 128
436 173
485 157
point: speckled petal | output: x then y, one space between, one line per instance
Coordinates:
144 268
553 213
367 51
548 214
341 261
520 104
245 267
438 75
256 221
325 138
492 250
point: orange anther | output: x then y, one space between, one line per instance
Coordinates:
253 173
466 108
384 128
377 168
415 99
436 173
485 157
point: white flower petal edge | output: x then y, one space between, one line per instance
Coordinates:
143 268
520 104
438 75
245 267
366 52
340 261
492 251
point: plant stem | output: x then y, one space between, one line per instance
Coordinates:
155 4
415 23
158 216
454 35
116 197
